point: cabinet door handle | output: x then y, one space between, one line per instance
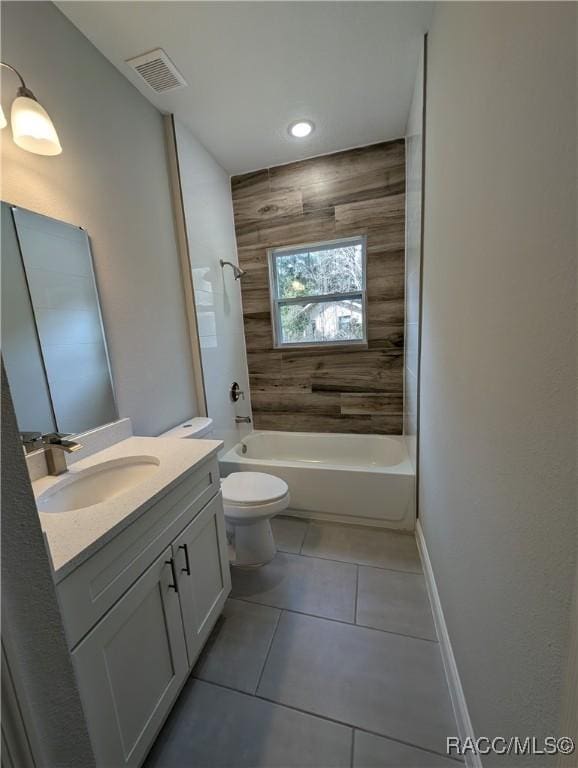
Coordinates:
187 568
174 585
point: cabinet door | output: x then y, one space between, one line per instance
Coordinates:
204 579
131 666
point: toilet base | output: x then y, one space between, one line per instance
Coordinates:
252 544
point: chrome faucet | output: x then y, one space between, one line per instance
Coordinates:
242 419
55 446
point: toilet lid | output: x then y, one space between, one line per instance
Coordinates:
196 426
253 488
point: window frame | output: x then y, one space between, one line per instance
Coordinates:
276 302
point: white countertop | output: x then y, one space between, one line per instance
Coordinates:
76 535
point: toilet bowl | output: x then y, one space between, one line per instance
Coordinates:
250 500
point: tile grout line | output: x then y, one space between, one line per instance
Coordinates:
355 562
356 594
304 537
358 566
356 727
337 621
352 759
348 562
266 659
342 723
399 634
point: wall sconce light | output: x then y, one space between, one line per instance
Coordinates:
32 128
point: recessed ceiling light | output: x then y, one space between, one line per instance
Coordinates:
301 128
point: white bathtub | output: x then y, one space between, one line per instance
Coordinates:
352 478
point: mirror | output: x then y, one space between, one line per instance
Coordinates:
53 341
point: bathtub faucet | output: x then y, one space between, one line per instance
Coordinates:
242 419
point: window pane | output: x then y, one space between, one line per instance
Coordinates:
321 321
333 269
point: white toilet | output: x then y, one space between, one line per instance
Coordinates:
250 500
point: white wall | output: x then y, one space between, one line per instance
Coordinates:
111 179
497 489
208 209
32 629
413 239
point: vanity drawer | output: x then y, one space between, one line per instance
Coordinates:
93 588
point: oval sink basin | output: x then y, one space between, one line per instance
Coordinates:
94 485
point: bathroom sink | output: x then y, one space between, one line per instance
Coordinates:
94 485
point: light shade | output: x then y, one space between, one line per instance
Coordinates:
32 128
3 122
301 129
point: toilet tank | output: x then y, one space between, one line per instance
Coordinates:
193 428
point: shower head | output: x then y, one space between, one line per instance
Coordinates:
237 271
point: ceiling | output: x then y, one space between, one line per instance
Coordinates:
254 67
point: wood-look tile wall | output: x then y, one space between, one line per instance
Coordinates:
357 192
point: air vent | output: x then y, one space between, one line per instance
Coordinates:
158 71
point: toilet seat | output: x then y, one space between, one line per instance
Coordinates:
251 496
252 489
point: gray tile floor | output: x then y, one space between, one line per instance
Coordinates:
326 657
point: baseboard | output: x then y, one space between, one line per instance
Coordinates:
463 721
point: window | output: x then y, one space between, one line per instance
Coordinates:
318 293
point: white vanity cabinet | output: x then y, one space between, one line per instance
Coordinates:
139 611
131 667
202 572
